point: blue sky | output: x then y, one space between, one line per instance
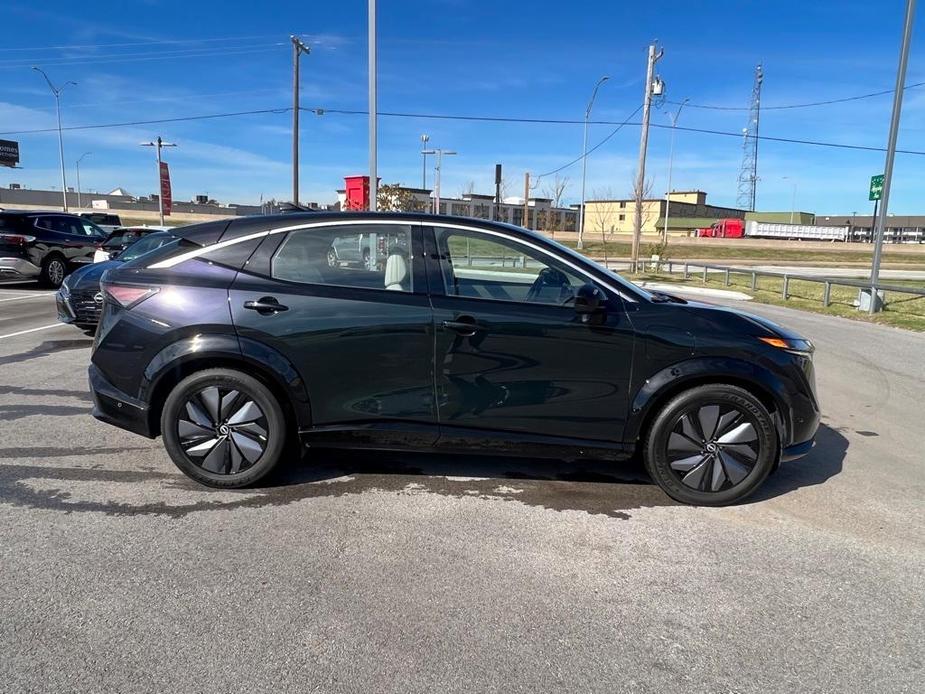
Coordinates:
151 59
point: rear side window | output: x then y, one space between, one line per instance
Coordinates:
374 256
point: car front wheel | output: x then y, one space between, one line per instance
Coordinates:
223 428
54 270
711 445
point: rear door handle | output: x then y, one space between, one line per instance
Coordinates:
466 327
265 306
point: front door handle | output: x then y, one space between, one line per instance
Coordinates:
265 306
464 325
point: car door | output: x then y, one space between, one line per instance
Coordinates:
360 338
511 352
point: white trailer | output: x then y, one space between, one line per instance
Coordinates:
803 232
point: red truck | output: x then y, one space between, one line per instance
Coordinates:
724 229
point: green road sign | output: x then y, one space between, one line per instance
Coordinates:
876 187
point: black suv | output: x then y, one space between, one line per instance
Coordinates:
45 245
241 337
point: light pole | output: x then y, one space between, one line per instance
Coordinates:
584 162
373 108
57 92
674 125
158 144
298 48
78 176
439 153
793 197
424 140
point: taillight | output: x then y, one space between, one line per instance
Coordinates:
16 239
127 296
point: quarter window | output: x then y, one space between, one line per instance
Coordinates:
374 256
482 266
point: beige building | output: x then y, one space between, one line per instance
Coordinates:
617 216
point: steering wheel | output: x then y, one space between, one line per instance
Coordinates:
547 278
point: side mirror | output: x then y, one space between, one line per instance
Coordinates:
589 301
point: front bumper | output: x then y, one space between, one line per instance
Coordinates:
82 309
114 407
796 451
18 269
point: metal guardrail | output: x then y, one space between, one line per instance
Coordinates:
827 282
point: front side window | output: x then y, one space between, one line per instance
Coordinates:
371 256
90 229
484 266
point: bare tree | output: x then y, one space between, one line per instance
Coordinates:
392 197
556 189
601 213
643 212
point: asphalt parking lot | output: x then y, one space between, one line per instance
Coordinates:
412 573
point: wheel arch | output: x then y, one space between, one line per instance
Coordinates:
675 379
178 361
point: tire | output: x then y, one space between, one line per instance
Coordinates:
365 261
712 445
54 270
332 257
204 440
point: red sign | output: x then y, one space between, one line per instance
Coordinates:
165 188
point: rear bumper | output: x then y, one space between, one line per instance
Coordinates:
114 407
18 268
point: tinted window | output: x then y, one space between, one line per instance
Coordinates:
146 245
366 256
483 266
90 229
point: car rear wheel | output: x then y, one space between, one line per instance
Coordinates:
224 428
54 270
711 445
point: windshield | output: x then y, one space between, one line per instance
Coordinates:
147 244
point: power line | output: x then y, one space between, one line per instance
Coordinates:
599 144
810 104
137 44
490 119
191 53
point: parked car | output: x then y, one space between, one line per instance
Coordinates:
105 220
45 245
122 238
240 338
79 300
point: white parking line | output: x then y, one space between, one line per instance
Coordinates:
31 330
27 296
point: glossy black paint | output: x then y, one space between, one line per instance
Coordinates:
362 367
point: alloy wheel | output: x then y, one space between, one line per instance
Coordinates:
56 272
713 447
221 430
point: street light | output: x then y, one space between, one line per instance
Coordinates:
437 168
424 140
674 125
78 176
793 198
57 92
584 162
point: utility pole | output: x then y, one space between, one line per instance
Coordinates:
158 144
57 92
497 214
526 200
584 163
674 126
373 110
653 86
891 152
438 167
424 140
298 48
78 176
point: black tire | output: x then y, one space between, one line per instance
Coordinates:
226 455
88 328
365 261
54 270
332 257
711 468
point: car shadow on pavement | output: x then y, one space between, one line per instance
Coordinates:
44 349
822 463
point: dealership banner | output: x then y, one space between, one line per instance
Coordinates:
165 188
9 153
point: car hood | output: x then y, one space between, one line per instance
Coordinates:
88 276
724 314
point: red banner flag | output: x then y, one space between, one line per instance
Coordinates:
165 188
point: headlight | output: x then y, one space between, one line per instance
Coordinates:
804 348
64 289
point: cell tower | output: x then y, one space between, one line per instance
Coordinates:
748 175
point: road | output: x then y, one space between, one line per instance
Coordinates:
403 573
